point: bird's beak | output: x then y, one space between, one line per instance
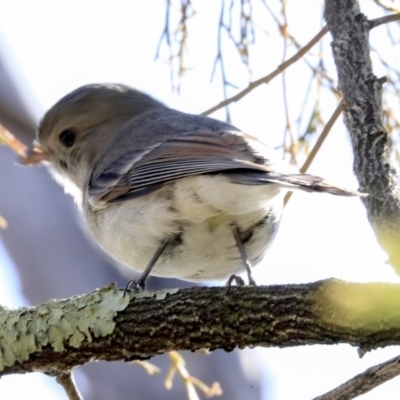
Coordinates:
34 155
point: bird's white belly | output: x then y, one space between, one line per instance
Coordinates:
208 251
202 245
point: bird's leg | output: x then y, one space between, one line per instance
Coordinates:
235 278
140 284
246 262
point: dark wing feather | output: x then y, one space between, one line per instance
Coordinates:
141 172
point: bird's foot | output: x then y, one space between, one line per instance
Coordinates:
137 286
235 279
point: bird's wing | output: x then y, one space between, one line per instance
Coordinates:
142 171
237 155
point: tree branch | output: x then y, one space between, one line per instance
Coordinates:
318 145
384 20
363 116
103 325
272 75
364 382
268 78
67 382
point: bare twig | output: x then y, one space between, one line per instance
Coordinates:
180 36
67 382
241 39
272 75
150 368
288 127
316 71
383 20
165 32
220 60
391 5
246 29
266 79
364 382
319 143
182 32
9 140
190 382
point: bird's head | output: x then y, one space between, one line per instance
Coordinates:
80 126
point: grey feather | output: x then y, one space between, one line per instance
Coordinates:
197 153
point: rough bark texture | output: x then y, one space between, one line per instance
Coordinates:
215 318
362 109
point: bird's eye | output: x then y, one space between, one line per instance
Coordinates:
67 137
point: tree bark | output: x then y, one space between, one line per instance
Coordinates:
103 325
363 117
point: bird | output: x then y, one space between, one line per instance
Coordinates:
165 192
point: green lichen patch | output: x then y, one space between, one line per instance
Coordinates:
57 323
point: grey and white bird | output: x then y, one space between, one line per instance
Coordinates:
175 194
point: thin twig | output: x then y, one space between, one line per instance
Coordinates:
150 368
319 143
220 60
179 36
190 382
165 33
383 20
182 31
390 5
272 75
364 382
266 79
299 47
67 382
288 127
9 140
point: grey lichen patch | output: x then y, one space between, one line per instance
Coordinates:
368 307
57 323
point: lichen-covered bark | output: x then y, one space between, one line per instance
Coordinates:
362 109
326 312
57 324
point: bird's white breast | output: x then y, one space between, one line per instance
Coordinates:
198 214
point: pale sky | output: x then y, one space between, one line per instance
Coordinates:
55 47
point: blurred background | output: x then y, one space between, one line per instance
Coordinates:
190 55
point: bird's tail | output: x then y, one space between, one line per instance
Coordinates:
293 181
311 183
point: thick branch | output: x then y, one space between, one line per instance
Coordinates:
59 335
362 110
